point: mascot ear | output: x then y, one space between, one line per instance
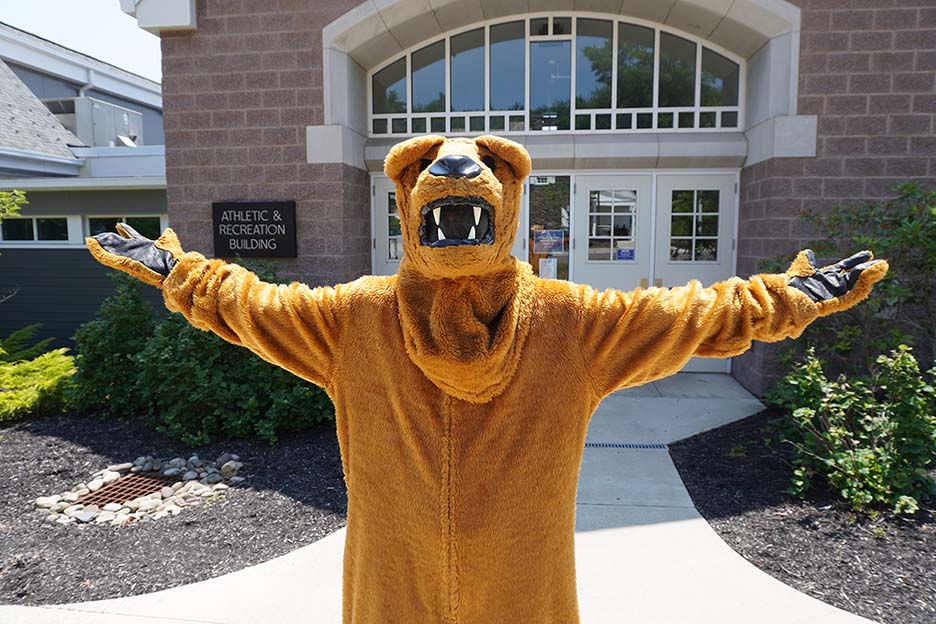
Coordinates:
404 154
512 153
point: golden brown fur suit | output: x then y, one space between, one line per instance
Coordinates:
463 387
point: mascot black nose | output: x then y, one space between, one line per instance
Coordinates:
455 167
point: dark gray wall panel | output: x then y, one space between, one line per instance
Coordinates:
43 85
95 202
60 288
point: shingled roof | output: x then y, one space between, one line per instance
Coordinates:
25 122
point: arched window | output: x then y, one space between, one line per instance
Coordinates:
560 73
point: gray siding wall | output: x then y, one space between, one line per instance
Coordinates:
117 203
60 288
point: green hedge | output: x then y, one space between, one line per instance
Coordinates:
35 387
193 385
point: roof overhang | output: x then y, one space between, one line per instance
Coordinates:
22 49
83 184
157 16
376 30
36 163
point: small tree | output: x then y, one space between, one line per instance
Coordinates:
10 204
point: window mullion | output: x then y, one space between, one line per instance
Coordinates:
698 87
656 77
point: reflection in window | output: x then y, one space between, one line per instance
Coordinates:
467 52
635 66
394 231
677 71
147 226
593 58
719 80
550 84
549 226
389 88
508 56
52 229
17 229
428 67
611 220
694 226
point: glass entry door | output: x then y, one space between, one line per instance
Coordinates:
694 233
613 230
387 241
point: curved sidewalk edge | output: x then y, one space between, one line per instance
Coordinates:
643 552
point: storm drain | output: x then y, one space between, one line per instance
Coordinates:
626 445
127 488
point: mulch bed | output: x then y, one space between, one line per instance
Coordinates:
882 569
294 495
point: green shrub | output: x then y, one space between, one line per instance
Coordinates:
901 230
35 387
198 386
15 347
106 348
871 439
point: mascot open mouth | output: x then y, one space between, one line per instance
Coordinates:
451 221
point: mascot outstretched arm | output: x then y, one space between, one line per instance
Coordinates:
463 385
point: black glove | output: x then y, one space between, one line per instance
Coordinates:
131 244
834 280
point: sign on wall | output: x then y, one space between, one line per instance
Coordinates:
254 229
548 241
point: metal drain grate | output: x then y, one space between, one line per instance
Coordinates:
127 488
626 445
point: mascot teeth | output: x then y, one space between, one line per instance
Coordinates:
457 220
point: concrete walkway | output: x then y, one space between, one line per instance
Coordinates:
643 553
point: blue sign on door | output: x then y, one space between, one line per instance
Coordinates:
624 254
548 241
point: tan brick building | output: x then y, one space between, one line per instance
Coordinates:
671 139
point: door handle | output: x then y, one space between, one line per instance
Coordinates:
643 282
658 282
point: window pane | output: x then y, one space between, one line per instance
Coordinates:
508 57
100 225
550 84
549 226
147 226
599 249
428 67
677 71
706 250
680 250
52 229
539 26
593 64
17 229
389 88
467 51
682 201
719 80
562 26
635 66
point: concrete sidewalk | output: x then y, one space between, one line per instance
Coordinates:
643 553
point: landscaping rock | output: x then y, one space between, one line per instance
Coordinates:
84 516
191 475
120 467
112 507
166 492
172 472
95 484
45 502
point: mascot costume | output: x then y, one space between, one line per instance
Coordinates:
463 385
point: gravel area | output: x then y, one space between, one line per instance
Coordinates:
294 495
882 569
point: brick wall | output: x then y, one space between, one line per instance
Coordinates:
238 94
868 70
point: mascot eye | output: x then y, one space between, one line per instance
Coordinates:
425 162
489 161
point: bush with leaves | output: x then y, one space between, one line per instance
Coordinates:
16 347
901 230
871 440
107 348
197 386
35 387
